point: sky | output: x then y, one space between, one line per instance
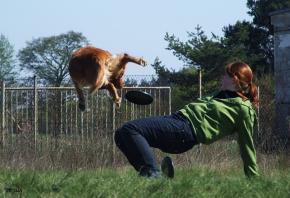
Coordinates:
131 26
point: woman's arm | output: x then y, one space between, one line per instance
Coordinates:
247 148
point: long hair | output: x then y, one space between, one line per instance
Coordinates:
243 78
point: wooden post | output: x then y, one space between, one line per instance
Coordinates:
35 112
114 129
3 113
258 114
200 82
169 100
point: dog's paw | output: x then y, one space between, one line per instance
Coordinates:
142 62
82 107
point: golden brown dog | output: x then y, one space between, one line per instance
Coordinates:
99 69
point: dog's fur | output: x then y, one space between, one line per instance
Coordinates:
99 69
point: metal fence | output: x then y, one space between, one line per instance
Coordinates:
53 112
46 113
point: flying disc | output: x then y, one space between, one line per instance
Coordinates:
139 97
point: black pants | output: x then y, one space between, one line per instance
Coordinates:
171 134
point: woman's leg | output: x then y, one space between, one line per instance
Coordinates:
171 134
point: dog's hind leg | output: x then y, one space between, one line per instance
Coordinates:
82 101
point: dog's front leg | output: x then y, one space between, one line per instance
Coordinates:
113 91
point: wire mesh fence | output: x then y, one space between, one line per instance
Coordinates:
54 111
130 81
37 120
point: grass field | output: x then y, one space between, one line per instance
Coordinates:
206 171
124 182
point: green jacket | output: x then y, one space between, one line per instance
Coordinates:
213 118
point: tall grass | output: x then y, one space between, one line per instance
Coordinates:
73 154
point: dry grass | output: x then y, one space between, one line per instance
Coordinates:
74 153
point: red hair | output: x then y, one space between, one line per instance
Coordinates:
243 77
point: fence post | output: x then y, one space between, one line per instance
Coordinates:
114 129
258 113
199 81
200 95
169 100
35 111
3 113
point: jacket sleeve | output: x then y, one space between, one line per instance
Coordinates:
247 148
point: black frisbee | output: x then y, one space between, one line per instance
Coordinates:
139 97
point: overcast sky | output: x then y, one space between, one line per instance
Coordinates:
135 27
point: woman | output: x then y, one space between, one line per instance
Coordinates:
204 121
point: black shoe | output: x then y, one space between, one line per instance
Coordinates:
147 172
167 167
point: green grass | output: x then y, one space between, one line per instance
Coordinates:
188 182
